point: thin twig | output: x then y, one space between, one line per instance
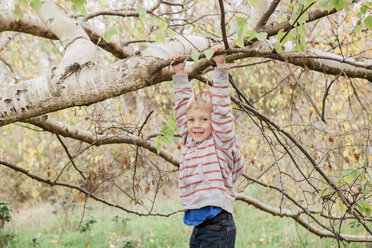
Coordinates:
69 156
265 17
223 25
326 94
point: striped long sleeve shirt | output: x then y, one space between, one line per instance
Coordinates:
208 169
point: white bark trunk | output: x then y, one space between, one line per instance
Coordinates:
34 26
85 86
79 50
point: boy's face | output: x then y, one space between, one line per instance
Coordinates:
199 123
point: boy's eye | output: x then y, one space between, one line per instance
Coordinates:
191 119
204 119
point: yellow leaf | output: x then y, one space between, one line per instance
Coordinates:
345 153
347 126
340 205
209 29
36 194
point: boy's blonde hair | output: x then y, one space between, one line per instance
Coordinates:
201 100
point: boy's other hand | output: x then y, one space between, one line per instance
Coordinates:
221 58
178 68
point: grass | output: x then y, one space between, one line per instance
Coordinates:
113 228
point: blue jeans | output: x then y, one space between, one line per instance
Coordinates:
218 232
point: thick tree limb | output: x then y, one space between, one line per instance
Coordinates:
86 85
314 60
92 84
33 26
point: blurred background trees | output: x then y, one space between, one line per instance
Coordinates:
302 100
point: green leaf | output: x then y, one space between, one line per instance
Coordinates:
43 48
169 133
18 12
141 28
261 36
240 42
170 32
303 18
23 1
141 10
163 26
354 175
357 29
167 140
208 53
242 25
363 9
240 21
366 192
277 46
362 174
54 49
172 123
323 192
160 37
159 142
362 205
80 2
75 8
339 4
111 31
250 34
195 56
302 30
325 4
368 210
36 4
368 22
142 16
83 11
151 20
163 130
254 2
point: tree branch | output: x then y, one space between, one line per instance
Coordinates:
296 215
100 139
84 191
223 24
265 17
33 26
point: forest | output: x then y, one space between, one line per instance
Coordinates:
86 110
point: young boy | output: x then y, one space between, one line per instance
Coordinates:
211 161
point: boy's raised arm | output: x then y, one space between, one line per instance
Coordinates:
183 92
222 118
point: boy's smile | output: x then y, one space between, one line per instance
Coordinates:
199 123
